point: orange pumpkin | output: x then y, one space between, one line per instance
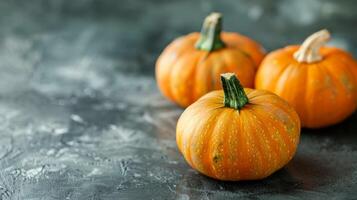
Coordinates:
238 134
191 65
320 82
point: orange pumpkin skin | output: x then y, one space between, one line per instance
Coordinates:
247 144
323 93
185 73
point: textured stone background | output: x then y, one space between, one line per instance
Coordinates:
81 116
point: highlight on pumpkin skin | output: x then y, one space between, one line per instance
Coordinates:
190 66
319 81
238 134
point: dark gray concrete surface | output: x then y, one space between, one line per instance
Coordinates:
81 116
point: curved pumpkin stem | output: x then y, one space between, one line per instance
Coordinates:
309 50
210 38
234 95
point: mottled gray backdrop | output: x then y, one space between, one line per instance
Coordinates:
81 116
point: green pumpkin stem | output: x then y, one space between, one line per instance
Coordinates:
234 95
210 38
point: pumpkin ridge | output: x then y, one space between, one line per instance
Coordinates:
238 150
248 56
294 75
207 146
229 68
213 68
278 75
216 101
241 42
348 72
226 160
173 76
270 142
243 152
254 94
308 119
272 79
303 85
199 65
187 148
335 84
173 64
237 48
261 158
281 140
184 141
284 133
196 133
211 146
233 143
224 66
283 106
282 74
338 83
335 81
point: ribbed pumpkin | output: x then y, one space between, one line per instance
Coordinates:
191 65
238 134
320 82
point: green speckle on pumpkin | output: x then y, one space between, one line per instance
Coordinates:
216 158
347 83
